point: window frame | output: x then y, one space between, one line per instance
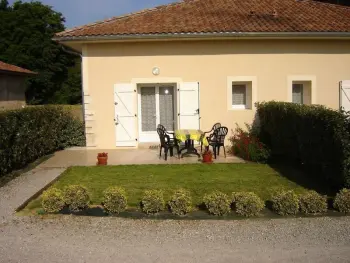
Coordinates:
297 79
242 80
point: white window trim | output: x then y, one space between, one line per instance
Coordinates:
297 78
230 81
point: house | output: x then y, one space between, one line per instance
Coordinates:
193 63
12 86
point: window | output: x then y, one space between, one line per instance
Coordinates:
239 96
302 89
241 92
298 93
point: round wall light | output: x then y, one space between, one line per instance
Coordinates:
156 71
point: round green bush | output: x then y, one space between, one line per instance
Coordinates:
76 197
52 200
312 203
247 204
114 200
181 202
217 203
152 201
342 201
285 203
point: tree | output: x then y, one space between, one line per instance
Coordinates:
26 32
71 93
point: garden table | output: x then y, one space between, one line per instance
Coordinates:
188 136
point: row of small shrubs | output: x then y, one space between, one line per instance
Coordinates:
30 133
312 136
75 197
246 204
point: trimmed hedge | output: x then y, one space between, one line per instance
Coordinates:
52 200
314 136
76 197
114 200
313 203
30 133
217 203
285 203
247 203
342 201
181 202
152 201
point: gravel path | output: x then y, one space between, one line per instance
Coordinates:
87 239
17 191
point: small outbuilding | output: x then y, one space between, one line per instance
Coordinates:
12 86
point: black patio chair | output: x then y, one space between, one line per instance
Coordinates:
167 144
218 140
210 133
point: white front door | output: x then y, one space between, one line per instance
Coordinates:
156 106
189 115
125 115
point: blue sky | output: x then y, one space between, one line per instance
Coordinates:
80 12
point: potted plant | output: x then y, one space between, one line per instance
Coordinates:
102 158
207 156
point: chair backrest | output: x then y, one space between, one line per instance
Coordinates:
216 125
220 134
160 126
162 135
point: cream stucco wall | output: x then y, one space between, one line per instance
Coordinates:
271 62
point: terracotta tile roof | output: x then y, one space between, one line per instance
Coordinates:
215 16
12 68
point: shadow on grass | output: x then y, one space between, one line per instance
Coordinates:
296 174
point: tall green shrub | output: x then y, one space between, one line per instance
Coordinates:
314 136
30 133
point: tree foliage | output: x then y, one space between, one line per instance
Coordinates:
26 32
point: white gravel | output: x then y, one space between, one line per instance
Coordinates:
88 239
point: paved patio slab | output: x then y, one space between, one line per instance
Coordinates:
87 157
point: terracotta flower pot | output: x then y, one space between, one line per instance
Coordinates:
102 160
207 158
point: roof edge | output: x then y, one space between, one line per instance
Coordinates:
11 72
204 36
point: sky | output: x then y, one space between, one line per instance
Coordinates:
80 12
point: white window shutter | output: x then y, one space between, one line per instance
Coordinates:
345 95
125 114
189 113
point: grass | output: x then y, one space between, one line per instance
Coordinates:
199 179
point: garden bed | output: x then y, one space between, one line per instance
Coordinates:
134 213
196 178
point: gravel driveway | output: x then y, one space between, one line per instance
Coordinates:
87 239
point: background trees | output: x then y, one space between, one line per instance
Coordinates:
26 32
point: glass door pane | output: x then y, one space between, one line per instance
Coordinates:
166 107
148 109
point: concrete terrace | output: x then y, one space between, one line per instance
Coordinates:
142 155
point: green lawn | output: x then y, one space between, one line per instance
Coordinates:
199 179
